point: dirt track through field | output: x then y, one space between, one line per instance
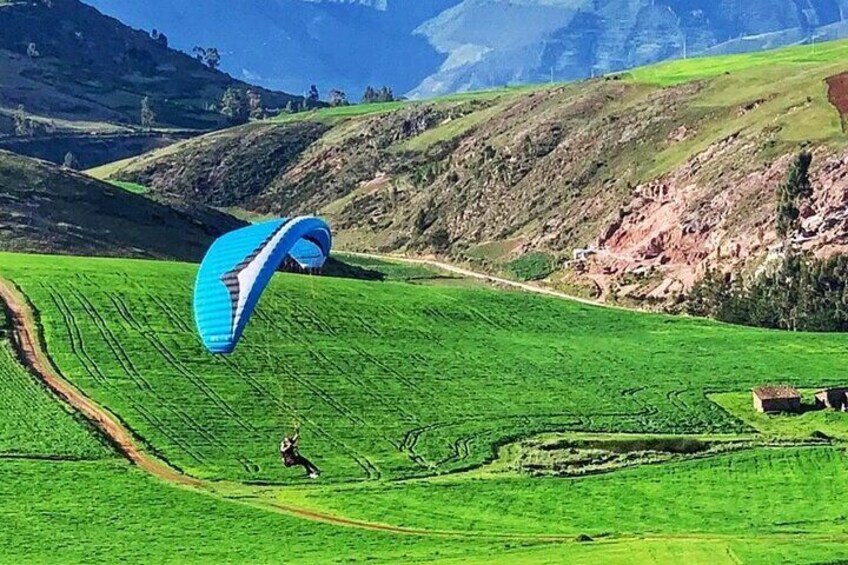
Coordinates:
527 287
26 339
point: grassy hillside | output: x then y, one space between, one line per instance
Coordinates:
45 209
73 68
667 168
409 377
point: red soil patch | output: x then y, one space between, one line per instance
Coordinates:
837 93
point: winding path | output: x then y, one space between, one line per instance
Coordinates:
491 279
26 339
28 345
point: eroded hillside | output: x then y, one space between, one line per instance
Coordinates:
659 173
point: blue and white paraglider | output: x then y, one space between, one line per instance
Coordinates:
240 264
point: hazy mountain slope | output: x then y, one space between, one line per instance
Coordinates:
67 63
490 42
44 209
668 170
441 46
290 44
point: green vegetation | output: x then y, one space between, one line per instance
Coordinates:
800 292
797 188
109 511
393 380
339 114
576 454
389 379
750 493
788 59
532 267
135 188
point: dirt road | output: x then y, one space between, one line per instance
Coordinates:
527 287
26 339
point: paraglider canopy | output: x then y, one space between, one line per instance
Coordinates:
240 264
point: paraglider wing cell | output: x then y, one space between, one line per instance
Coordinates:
239 266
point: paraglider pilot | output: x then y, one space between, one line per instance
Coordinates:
291 456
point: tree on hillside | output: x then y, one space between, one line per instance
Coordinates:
70 161
372 95
148 116
23 125
254 101
234 105
159 37
796 187
291 108
209 56
337 97
385 95
369 96
312 98
213 58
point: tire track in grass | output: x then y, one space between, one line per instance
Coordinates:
97 376
180 368
115 347
212 439
138 379
27 342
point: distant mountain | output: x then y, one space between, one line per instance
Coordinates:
291 44
70 66
439 46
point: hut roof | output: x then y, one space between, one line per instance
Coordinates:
773 392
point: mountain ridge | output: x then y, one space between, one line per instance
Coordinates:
444 46
656 175
71 68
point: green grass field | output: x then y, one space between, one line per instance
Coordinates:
130 186
35 425
399 385
390 380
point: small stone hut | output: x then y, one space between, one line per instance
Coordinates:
779 398
833 398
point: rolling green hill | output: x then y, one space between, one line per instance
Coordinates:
46 209
667 169
417 376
